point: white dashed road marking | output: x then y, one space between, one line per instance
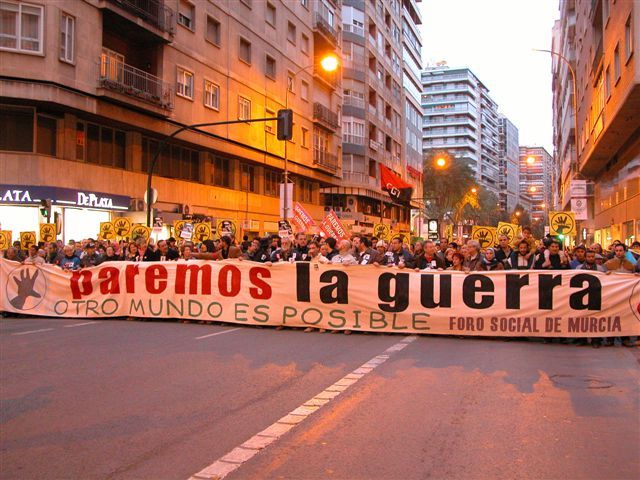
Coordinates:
236 457
33 331
218 333
80 324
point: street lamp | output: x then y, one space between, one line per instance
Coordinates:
531 160
329 63
474 190
441 162
533 189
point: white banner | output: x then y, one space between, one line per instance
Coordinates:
572 303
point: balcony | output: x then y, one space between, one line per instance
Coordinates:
324 27
358 31
353 139
116 76
326 160
153 13
359 179
375 145
597 59
325 117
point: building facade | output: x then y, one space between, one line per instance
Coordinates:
372 115
598 141
509 156
537 181
89 88
461 118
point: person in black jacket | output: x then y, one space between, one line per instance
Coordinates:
398 256
430 260
162 253
521 259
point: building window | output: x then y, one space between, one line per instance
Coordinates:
269 126
291 32
102 145
304 90
271 183
21 27
67 37
185 83
186 15
245 50
244 108
291 81
305 3
47 130
305 44
271 14
628 39
222 172
270 67
304 137
607 82
211 95
213 30
616 64
175 161
16 129
247 178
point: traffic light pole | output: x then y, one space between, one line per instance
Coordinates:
164 142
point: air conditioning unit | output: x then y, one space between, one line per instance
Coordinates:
137 205
352 202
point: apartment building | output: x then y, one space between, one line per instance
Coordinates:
598 141
461 118
372 115
88 89
536 181
509 161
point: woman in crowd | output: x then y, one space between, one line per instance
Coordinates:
448 256
490 261
457 260
187 253
110 254
132 255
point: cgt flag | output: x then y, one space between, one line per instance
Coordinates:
397 188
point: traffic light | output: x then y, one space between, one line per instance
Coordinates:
285 124
45 208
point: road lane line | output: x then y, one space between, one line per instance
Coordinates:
32 331
242 453
218 333
80 324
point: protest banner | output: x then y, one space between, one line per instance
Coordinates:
26 239
486 236
226 227
301 219
562 223
331 226
568 303
107 231
178 225
201 232
510 230
284 229
48 232
382 231
5 239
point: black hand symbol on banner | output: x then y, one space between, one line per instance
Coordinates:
25 289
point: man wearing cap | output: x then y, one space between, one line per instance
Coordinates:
90 257
590 262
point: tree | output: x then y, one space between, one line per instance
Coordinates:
445 187
488 211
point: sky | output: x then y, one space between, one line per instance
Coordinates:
494 39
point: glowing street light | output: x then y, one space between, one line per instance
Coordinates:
441 162
533 189
474 190
329 63
531 160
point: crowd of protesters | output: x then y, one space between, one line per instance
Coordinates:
466 255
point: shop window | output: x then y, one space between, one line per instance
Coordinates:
47 133
16 128
100 145
21 27
247 178
222 172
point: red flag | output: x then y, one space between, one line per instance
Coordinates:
301 219
331 226
398 189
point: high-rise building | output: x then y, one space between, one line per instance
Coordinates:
536 181
509 156
90 88
373 110
461 118
597 39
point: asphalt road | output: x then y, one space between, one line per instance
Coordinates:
161 400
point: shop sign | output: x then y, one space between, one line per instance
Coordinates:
27 194
579 207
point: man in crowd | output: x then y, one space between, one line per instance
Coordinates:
301 252
256 253
284 253
54 255
473 261
161 254
70 260
398 256
504 250
558 259
590 262
365 255
344 254
520 259
33 258
579 257
430 260
619 263
90 257
333 251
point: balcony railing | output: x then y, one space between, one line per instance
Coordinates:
322 25
325 159
347 27
154 12
325 116
353 101
360 179
354 139
119 77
